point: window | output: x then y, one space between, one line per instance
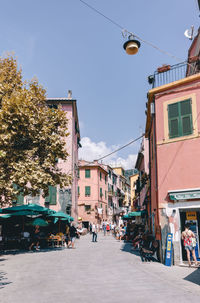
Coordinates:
87 191
52 197
78 173
105 179
180 119
20 196
87 173
87 207
78 190
101 192
109 172
100 175
105 195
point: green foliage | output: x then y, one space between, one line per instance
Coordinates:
31 136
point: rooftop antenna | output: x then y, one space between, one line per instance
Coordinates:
189 33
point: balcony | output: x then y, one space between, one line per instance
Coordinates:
170 73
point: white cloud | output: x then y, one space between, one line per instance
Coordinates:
91 151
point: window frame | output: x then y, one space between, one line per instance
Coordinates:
87 191
87 173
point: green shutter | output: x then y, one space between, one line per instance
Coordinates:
87 190
105 194
78 191
186 117
173 115
20 196
87 173
101 193
180 119
100 175
52 197
105 179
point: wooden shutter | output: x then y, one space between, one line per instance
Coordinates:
52 197
173 118
20 196
186 117
87 190
87 173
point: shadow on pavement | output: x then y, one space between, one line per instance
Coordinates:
194 277
20 252
127 247
3 279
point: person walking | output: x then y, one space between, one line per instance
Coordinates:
36 238
73 234
104 227
108 228
189 241
94 233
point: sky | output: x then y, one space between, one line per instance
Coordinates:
67 46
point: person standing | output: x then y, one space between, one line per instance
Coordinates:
94 233
187 237
104 227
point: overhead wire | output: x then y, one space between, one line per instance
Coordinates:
131 33
120 148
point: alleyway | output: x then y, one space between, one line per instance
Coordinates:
104 272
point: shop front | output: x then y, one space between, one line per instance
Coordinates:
185 209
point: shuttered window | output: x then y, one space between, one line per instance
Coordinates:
20 196
52 197
180 119
78 190
87 173
101 192
87 190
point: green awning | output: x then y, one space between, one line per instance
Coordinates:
125 217
135 214
184 195
5 216
60 214
40 222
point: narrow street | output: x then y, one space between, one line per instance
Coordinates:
105 271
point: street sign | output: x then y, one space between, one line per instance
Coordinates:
168 256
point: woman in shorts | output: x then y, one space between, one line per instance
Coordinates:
187 237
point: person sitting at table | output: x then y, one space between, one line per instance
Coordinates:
36 238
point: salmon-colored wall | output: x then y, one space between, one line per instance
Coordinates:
178 162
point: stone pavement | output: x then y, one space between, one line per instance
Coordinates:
105 272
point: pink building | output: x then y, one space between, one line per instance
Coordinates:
173 128
92 192
65 200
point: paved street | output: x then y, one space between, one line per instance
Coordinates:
105 271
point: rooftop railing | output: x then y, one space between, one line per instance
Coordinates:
170 73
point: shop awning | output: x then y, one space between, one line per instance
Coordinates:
134 214
40 222
184 195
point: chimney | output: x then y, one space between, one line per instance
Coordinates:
69 95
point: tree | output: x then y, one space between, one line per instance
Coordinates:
31 136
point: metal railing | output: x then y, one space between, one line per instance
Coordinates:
167 74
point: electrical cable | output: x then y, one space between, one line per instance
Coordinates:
131 142
125 30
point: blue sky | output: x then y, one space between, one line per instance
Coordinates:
67 46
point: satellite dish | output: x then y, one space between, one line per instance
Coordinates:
189 33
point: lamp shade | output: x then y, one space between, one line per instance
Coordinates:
131 46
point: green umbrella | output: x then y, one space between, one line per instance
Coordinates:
60 214
40 222
5 216
28 207
125 217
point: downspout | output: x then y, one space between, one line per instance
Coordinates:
156 177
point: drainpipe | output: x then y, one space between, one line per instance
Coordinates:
156 176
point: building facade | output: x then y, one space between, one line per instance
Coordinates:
64 200
173 128
92 193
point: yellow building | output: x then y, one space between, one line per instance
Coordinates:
125 187
133 179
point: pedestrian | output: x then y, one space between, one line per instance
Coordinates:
104 227
108 228
94 232
189 241
35 238
73 235
90 228
121 232
67 234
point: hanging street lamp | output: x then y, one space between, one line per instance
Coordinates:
132 45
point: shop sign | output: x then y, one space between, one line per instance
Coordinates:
189 195
168 255
191 215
